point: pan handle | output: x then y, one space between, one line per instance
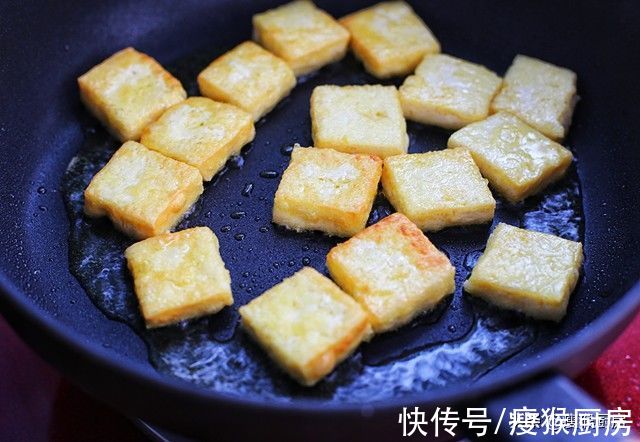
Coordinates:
552 390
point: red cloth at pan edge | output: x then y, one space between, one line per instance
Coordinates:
36 404
614 378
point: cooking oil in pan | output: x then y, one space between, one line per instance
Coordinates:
458 342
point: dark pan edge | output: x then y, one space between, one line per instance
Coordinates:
36 327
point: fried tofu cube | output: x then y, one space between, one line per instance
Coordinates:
200 132
143 192
327 190
448 92
248 77
128 91
438 189
541 94
393 271
301 34
306 324
517 160
389 38
528 271
359 119
179 276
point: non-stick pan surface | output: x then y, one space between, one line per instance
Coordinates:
67 291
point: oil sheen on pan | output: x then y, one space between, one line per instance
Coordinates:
458 342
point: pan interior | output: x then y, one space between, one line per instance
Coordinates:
50 147
459 341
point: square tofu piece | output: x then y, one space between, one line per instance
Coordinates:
393 271
302 35
528 271
438 189
517 160
143 192
127 91
200 132
448 92
327 190
249 77
359 119
306 324
389 38
179 275
541 94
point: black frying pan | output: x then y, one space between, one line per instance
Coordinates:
81 314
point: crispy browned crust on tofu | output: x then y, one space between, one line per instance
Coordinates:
327 190
126 102
200 132
438 189
248 76
306 324
179 276
364 119
389 38
393 270
527 271
143 192
303 35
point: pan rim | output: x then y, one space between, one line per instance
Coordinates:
616 317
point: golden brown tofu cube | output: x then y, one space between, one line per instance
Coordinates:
143 192
327 190
179 276
200 132
393 271
302 35
541 94
389 38
517 160
248 77
128 91
528 271
438 189
306 324
359 119
448 92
